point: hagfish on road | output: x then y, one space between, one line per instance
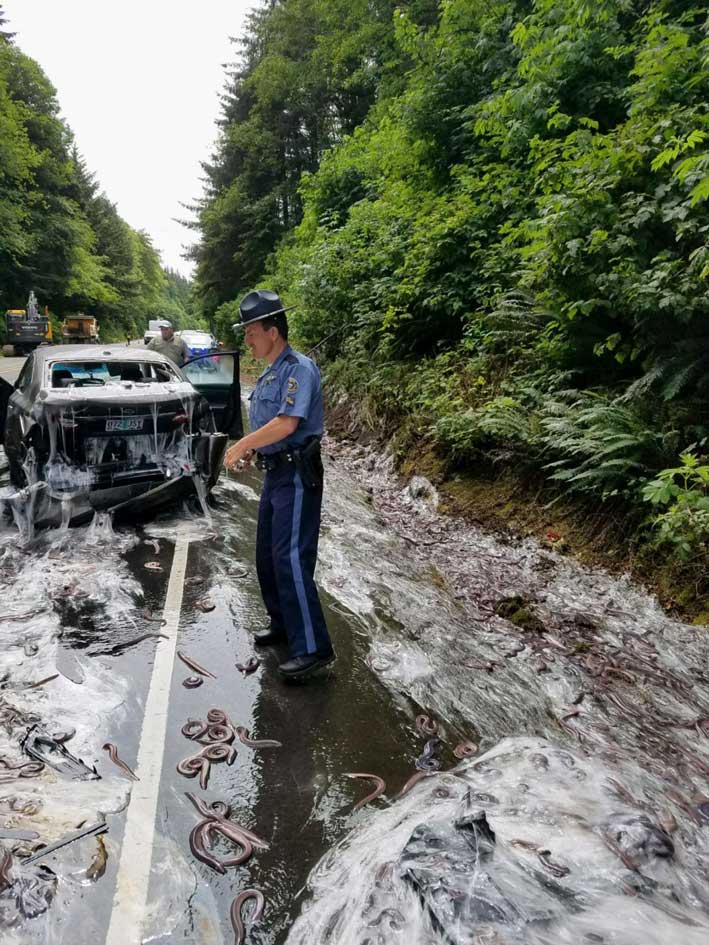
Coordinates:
378 790
236 906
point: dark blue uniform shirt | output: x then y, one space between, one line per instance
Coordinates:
290 386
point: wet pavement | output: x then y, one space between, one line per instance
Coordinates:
591 771
87 592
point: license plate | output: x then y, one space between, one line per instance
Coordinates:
125 425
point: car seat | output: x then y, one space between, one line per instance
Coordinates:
132 372
61 377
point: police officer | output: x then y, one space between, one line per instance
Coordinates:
286 418
173 348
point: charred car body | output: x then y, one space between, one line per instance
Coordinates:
119 429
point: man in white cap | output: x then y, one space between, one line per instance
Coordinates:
173 348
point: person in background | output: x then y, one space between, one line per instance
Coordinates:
173 348
286 418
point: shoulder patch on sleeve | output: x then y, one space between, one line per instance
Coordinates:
292 385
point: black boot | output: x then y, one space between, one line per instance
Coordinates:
269 638
301 667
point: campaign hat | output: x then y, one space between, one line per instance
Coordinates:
260 304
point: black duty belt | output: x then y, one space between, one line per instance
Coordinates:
273 461
305 459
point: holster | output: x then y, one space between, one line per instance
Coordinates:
308 463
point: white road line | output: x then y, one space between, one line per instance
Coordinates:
131 895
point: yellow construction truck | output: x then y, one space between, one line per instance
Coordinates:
27 328
79 329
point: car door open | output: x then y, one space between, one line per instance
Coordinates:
216 377
6 390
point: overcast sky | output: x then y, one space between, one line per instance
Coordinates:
138 81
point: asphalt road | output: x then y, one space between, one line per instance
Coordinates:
295 797
10 368
197 580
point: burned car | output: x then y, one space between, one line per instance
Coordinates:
118 429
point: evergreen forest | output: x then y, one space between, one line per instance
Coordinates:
59 234
492 217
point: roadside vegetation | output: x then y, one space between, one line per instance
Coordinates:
496 215
59 234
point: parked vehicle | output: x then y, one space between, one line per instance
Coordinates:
153 330
27 328
120 429
78 329
198 342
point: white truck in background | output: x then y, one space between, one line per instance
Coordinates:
153 330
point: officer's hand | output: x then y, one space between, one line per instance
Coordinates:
237 458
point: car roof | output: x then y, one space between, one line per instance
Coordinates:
47 353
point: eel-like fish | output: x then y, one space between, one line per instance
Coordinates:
379 789
235 912
413 780
113 755
243 734
188 661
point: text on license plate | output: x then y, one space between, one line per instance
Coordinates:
124 424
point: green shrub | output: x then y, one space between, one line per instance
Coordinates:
502 421
683 495
602 445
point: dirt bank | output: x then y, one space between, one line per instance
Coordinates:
498 499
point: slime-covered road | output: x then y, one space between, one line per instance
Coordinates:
583 817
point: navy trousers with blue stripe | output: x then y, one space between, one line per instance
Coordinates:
286 551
